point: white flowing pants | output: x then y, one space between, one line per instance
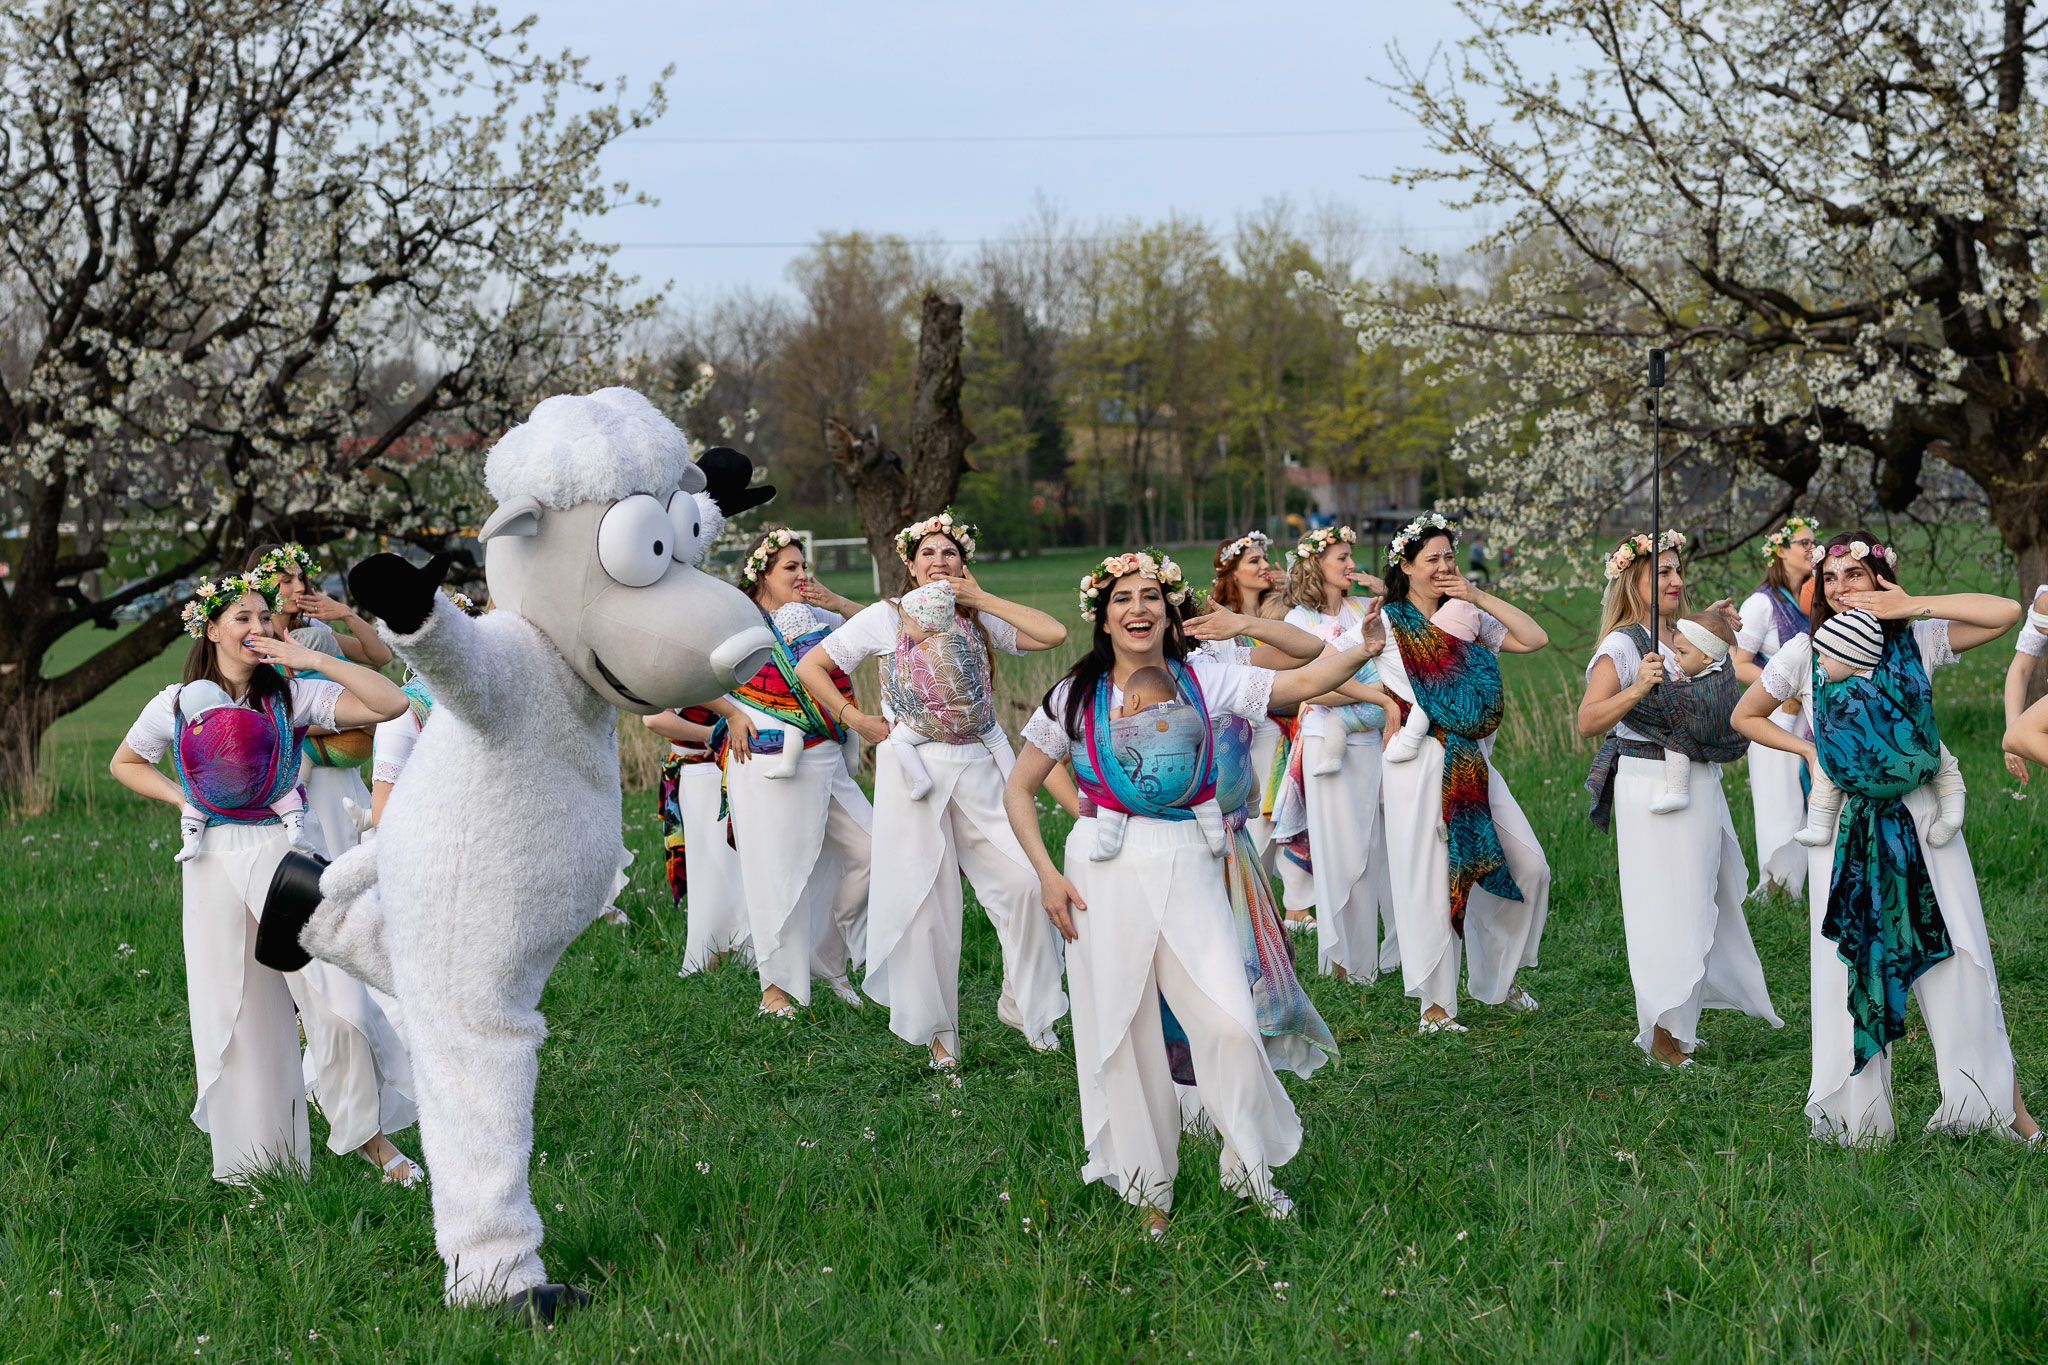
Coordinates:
717 905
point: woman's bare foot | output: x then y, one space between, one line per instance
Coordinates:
1664 1048
1435 1014
1155 1224
776 1001
2022 1121
1337 970
396 1165
942 1060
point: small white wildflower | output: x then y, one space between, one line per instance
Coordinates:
1027 1223
826 1271
126 950
203 1338
868 1133
1415 1336
558 1208
1461 1234
956 1113
1004 1196
703 1168
58 1293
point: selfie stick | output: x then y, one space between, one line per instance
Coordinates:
1656 499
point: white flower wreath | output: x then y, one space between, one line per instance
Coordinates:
1148 563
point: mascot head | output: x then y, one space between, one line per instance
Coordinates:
596 541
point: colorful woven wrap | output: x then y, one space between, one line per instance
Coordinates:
419 700
775 692
1877 739
1458 683
233 762
939 686
1792 622
668 801
1131 764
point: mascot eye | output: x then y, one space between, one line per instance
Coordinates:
688 518
634 540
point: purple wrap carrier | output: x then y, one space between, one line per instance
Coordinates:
233 762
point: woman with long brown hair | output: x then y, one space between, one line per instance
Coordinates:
1890 912
232 762
1247 582
1771 619
1681 871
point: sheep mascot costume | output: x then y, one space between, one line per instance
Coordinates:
501 842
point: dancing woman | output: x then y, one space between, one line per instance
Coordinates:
1467 871
1682 873
1771 619
1127 951
2027 651
233 762
803 834
1247 583
1889 911
1330 793
940 685
331 763
700 865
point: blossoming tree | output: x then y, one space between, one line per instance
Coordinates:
1829 215
270 269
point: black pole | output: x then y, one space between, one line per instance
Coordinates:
1656 498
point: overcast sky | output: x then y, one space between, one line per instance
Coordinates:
892 69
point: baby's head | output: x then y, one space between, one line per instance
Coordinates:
795 619
931 606
1849 642
1457 618
1703 641
1146 688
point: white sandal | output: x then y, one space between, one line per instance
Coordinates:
843 988
1520 1001
414 1172
1446 1025
786 1012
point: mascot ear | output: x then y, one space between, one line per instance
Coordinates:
692 480
518 516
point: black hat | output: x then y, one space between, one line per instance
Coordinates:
726 478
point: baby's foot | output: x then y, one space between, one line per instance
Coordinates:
1669 802
1404 748
1941 831
1815 836
188 849
920 785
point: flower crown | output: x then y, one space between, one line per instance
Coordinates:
1638 545
771 543
1860 549
1424 526
1319 540
464 604
1241 544
213 595
945 524
290 557
1782 537
1147 563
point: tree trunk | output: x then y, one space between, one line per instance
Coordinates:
888 491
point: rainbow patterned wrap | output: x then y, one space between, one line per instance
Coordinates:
233 762
775 692
1458 683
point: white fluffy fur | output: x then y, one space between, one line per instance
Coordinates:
498 847
595 447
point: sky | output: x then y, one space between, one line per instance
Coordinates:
896 69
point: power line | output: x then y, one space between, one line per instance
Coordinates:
967 241
837 141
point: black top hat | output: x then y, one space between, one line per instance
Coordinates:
726 476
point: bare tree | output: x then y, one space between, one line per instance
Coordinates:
269 268
889 490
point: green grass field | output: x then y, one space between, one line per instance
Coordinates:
735 1189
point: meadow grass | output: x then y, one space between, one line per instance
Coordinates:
737 1189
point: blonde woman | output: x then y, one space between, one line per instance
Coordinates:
1247 583
1682 875
1331 793
1772 619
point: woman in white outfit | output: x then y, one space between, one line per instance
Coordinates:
245 1039
1889 911
1682 874
332 766
1339 811
1154 920
802 833
1772 618
943 687
2027 652
1470 881
703 869
1247 583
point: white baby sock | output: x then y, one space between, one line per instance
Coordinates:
904 742
1677 784
1948 786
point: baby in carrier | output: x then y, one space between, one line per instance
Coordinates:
1458 619
195 699
1152 692
1703 642
794 620
1853 643
928 611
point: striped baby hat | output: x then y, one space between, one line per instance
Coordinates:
1854 638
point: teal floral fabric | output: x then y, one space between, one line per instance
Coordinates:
1877 739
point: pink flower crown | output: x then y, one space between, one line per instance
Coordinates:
1152 564
1860 549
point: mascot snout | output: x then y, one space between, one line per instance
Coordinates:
647 644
